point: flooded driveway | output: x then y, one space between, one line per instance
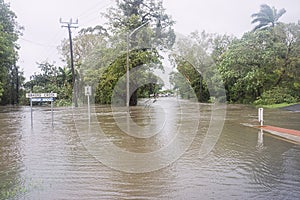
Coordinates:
66 161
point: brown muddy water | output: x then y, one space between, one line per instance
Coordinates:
72 160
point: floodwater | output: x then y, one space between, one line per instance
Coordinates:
62 162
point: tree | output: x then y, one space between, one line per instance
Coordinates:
194 61
130 14
108 55
11 77
52 79
247 65
113 73
266 17
263 65
92 53
287 59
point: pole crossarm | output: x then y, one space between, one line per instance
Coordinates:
70 23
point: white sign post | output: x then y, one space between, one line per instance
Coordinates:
31 109
88 93
52 108
261 116
41 97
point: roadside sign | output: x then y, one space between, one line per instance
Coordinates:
40 95
88 90
88 93
42 99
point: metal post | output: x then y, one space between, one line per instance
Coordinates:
88 92
52 108
127 75
261 116
127 64
31 117
89 109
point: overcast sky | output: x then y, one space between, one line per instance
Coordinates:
43 32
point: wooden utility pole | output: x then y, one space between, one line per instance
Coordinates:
70 25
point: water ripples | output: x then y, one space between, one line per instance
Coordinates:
48 162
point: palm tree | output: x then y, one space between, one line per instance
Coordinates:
266 17
64 76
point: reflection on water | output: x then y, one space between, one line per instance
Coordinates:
10 151
51 163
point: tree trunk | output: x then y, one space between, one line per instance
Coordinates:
133 99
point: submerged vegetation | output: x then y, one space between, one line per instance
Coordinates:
281 105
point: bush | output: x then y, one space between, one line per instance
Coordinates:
276 95
62 103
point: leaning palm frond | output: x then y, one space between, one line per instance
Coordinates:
266 17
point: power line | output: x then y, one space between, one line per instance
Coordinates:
94 7
38 43
87 17
87 14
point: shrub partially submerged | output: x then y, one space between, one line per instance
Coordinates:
276 95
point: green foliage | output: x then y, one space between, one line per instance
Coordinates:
266 17
276 95
99 51
260 61
189 78
263 66
52 79
251 67
130 14
146 90
281 105
181 85
62 102
1 90
244 67
117 69
11 78
193 60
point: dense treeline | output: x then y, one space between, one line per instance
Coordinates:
52 79
11 78
261 67
101 51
